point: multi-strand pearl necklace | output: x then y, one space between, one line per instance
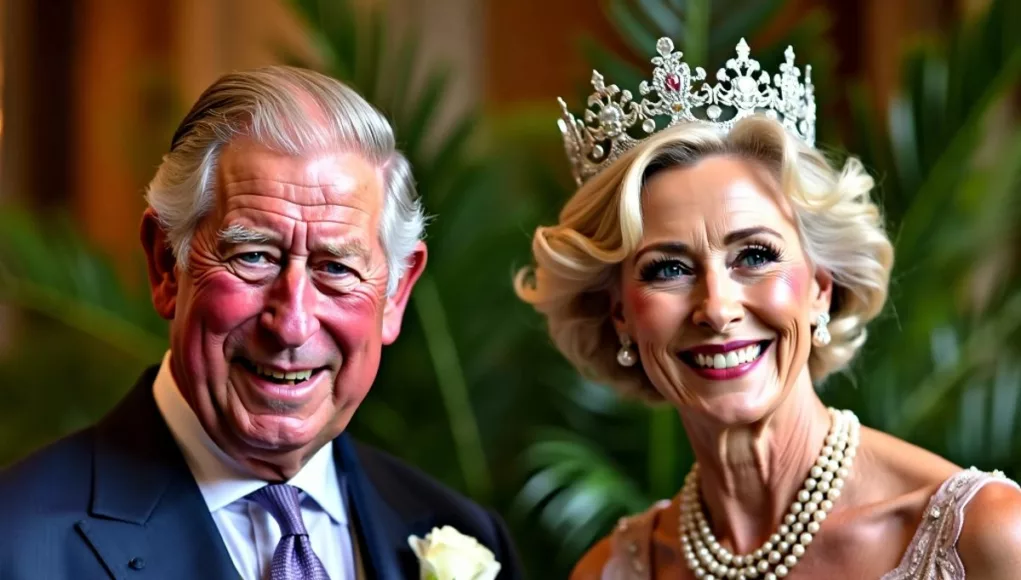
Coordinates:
774 559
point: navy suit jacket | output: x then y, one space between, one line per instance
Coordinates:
117 500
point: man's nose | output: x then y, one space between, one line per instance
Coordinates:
290 312
719 307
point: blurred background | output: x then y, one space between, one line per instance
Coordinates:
925 92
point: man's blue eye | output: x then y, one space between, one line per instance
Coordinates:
252 257
336 268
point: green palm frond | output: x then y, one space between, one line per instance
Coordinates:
936 124
952 197
577 488
51 271
79 334
706 31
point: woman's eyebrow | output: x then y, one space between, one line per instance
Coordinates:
738 235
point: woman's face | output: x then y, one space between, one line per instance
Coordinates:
719 297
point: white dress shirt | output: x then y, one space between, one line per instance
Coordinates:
249 531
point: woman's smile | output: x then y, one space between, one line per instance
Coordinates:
731 360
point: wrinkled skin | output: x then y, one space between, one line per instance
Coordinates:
309 296
721 261
743 275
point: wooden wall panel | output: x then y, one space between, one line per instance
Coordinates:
140 65
39 41
532 51
120 61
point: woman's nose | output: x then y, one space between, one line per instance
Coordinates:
720 307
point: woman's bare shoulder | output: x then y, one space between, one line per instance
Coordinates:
901 467
989 544
591 565
990 541
892 481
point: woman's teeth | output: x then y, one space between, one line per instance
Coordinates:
728 360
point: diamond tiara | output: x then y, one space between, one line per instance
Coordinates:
595 142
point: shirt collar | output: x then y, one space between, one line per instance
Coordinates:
220 478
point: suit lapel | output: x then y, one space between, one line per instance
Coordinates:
382 532
359 563
148 519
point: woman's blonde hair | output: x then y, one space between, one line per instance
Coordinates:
577 261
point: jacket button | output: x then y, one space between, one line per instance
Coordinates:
137 563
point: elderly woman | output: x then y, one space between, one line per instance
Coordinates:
722 266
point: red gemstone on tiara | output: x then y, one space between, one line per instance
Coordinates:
673 82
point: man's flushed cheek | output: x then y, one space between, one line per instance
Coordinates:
223 302
356 377
352 320
355 336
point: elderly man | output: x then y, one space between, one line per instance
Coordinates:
283 238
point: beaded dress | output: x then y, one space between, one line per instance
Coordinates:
931 555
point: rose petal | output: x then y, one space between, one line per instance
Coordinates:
447 554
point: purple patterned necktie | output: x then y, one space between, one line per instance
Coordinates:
293 558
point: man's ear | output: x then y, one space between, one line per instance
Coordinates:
161 265
393 312
822 292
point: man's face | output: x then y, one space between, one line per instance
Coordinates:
278 322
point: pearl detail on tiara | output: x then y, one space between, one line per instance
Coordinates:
677 94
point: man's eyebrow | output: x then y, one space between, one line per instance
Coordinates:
347 249
236 234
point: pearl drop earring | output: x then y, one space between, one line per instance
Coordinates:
626 356
821 335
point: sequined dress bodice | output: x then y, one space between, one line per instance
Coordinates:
931 555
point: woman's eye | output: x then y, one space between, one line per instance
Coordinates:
756 257
664 270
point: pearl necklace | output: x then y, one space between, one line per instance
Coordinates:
774 559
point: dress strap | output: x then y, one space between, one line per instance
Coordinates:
631 544
932 554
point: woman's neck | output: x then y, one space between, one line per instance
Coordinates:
750 474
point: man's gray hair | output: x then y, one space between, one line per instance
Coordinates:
295 111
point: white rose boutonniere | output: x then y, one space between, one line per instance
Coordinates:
447 554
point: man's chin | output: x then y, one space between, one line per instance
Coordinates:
276 456
280 434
